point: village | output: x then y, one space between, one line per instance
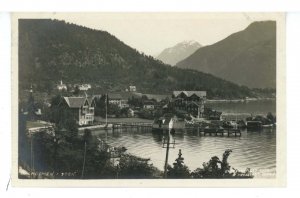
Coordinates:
93 106
101 110
96 111
73 113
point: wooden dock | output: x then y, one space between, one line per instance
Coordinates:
46 128
146 126
131 125
222 132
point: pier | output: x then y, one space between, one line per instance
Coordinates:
120 125
217 132
133 125
47 128
222 132
147 126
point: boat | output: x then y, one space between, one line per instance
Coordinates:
96 127
268 125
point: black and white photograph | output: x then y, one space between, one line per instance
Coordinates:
149 97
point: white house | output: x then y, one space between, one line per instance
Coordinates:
84 87
117 99
62 86
132 88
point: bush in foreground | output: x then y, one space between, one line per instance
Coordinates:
216 168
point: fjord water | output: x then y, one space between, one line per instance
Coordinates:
254 149
251 107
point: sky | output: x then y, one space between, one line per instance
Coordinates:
153 32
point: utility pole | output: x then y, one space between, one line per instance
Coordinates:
83 165
31 157
167 154
167 138
106 101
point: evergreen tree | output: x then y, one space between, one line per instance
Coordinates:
179 170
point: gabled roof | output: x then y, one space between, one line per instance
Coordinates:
90 99
75 102
190 93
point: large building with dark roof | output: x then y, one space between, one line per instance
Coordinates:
189 102
82 108
118 99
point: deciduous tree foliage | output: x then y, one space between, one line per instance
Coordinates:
216 168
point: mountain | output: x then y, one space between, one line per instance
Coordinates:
178 52
51 50
247 57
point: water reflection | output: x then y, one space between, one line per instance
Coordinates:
254 107
254 149
157 137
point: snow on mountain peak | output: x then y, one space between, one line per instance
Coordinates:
178 52
189 42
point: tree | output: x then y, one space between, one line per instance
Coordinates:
136 102
216 168
146 114
76 90
225 168
144 97
114 109
132 167
179 170
62 117
100 108
124 112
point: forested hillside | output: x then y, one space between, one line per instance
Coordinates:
51 50
247 57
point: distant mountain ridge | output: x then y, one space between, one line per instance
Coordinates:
247 57
180 51
51 50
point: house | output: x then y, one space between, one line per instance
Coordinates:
132 88
149 105
211 114
118 99
82 108
132 112
62 86
84 87
189 101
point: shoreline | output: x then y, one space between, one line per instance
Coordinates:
238 100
